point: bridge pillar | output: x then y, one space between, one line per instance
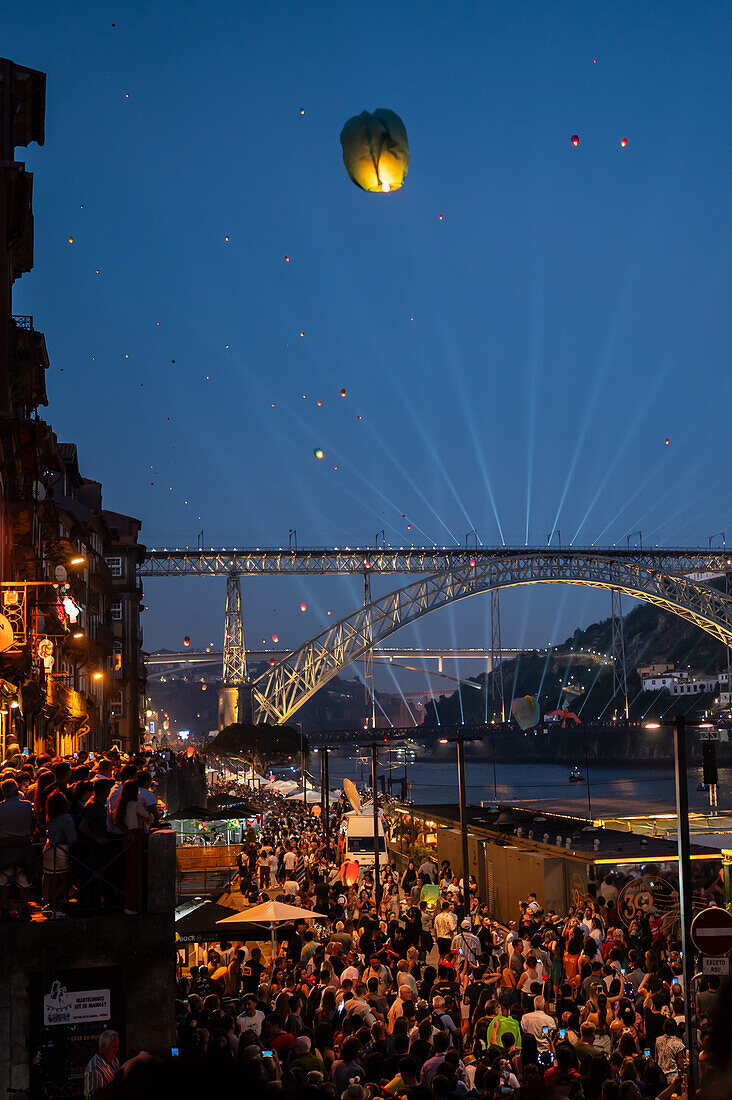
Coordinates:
368 657
620 678
228 706
235 705
498 702
235 655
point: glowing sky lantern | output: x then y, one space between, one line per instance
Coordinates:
343 393
526 711
303 607
575 139
271 660
186 641
318 452
623 142
431 894
376 150
275 638
350 872
667 441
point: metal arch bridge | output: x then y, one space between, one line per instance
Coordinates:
402 560
671 578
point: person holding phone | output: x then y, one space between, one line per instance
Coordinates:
538 1023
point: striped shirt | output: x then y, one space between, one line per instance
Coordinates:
99 1074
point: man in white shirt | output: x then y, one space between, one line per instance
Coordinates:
533 1023
397 1007
251 1017
466 945
351 971
445 925
376 969
290 860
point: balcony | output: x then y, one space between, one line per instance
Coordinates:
28 363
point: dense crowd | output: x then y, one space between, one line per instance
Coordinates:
73 832
399 999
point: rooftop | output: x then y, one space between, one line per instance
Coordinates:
528 828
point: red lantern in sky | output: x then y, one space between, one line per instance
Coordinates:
271 660
667 441
575 140
186 641
623 142
275 638
303 607
343 393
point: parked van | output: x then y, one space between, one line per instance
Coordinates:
356 840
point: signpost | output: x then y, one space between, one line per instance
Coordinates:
716 966
711 931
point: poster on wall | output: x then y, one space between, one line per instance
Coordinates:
69 1009
62 1007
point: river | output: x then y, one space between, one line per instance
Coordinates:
613 790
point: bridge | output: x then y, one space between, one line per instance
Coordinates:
176 662
673 578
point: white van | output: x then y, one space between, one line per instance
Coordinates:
357 839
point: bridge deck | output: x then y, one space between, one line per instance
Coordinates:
324 561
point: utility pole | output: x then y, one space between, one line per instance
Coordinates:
685 896
463 823
374 783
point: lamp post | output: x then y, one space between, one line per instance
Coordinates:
685 891
374 780
459 742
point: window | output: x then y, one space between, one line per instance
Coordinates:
115 566
116 705
116 655
116 611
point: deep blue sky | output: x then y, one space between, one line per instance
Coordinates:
570 311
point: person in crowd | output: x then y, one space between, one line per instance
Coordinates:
103 1067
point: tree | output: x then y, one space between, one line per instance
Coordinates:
266 743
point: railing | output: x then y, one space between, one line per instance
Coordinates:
81 879
192 882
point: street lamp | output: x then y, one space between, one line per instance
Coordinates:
685 886
459 742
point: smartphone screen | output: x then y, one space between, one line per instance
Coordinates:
545 1030
562 1032
174 1051
91 755
266 1053
646 1052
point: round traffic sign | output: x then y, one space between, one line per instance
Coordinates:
711 931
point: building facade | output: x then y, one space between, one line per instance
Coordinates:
70 671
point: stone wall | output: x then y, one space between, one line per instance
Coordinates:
140 949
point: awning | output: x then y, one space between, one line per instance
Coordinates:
200 924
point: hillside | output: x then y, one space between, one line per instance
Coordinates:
568 676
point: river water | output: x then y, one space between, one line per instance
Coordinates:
613 790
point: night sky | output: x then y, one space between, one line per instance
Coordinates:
517 364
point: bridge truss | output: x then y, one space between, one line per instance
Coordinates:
281 690
671 578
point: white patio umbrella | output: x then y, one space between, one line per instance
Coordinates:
268 914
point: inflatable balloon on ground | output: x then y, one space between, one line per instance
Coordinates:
376 150
526 711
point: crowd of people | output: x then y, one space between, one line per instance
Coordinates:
391 997
73 832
